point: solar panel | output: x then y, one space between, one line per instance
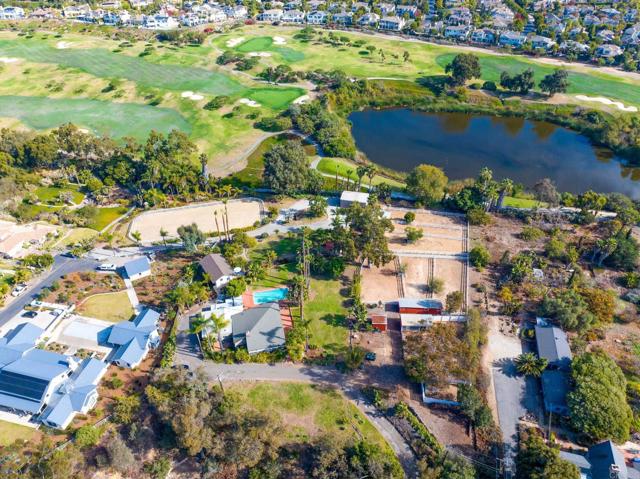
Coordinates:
20 386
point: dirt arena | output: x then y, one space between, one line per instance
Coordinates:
379 284
441 233
417 274
242 213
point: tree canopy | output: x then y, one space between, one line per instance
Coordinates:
464 66
427 183
287 171
536 460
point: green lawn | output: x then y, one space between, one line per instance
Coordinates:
10 432
101 117
308 411
276 98
112 307
51 194
343 167
328 315
265 44
105 216
523 202
75 236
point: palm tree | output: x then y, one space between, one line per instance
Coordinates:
198 323
270 258
372 170
215 214
506 188
361 171
217 324
137 236
163 234
530 365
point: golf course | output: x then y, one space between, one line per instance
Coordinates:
128 88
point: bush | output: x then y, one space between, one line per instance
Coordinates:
479 257
217 102
478 217
531 233
631 280
87 436
489 86
409 217
435 285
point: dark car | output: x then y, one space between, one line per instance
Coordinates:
29 314
370 356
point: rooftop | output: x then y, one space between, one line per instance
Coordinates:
261 326
137 266
215 266
553 345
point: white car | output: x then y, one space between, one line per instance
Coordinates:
107 267
18 290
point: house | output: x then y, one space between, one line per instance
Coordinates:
540 42
631 35
258 328
347 198
11 13
602 461
343 18
512 39
134 339
137 268
484 36
293 17
410 10
140 3
457 32
555 387
553 346
42 13
608 51
77 396
75 11
273 15
419 306
369 20
111 5
237 11
360 6
318 17
387 8
391 23
606 35
35 381
459 16
571 46
217 268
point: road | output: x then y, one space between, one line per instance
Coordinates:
311 374
61 267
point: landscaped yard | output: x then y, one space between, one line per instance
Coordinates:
75 236
309 411
105 216
51 194
10 432
327 313
514 202
113 307
347 169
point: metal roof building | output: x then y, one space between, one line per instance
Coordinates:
553 346
137 268
134 338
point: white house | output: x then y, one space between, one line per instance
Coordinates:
391 23
137 269
369 20
295 17
218 270
457 32
11 13
273 15
347 198
608 51
387 8
540 42
631 35
317 18
484 36
410 10
512 39
343 18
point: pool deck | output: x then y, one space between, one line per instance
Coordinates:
285 308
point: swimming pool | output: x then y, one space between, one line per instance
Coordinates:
270 296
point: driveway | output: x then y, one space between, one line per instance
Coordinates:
61 267
313 374
515 395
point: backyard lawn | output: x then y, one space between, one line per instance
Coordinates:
105 216
327 315
514 202
10 432
112 307
51 194
347 169
308 411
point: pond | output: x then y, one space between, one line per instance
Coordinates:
461 144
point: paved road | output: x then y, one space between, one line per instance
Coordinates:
314 374
62 266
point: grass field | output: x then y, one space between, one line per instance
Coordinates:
105 216
10 432
307 411
51 194
343 167
75 236
523 202
265 44
327 313
112 307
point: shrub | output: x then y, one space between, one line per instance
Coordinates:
479 257
87 436
478 217
531 233
435 285
409 217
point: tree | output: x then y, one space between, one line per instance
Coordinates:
601 302
137 236
546 191
235 287
454 301
427 183
472 405
521 83
87 436
367 228
464 67
479 257
435 285
191 237
569 308
626 254
67 462
163 234
598 403
126 408
120 456
354 358
556 82
287 171
409 217
536 460
318 206
413 234
529 364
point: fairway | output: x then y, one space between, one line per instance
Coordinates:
105 64
101 117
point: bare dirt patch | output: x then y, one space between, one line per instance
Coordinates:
241 213
380 284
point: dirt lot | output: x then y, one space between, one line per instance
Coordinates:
442 234
417 275
76 287
165 273
242 213
430 218
379 284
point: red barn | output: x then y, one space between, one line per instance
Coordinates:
420 306
379 322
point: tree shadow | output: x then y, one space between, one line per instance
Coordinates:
437 84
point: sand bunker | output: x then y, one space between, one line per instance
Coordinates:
191 95
259 54
607 101
251 103
62 45
279 41
83 130
301 99
8 60
235 42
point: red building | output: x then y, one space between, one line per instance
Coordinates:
420 306
379 321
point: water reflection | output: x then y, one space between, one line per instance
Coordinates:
515 148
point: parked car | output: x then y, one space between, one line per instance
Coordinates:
370 356
107 267
18 290
29 314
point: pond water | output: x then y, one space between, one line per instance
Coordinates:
523 150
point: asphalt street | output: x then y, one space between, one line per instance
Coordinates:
61 267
